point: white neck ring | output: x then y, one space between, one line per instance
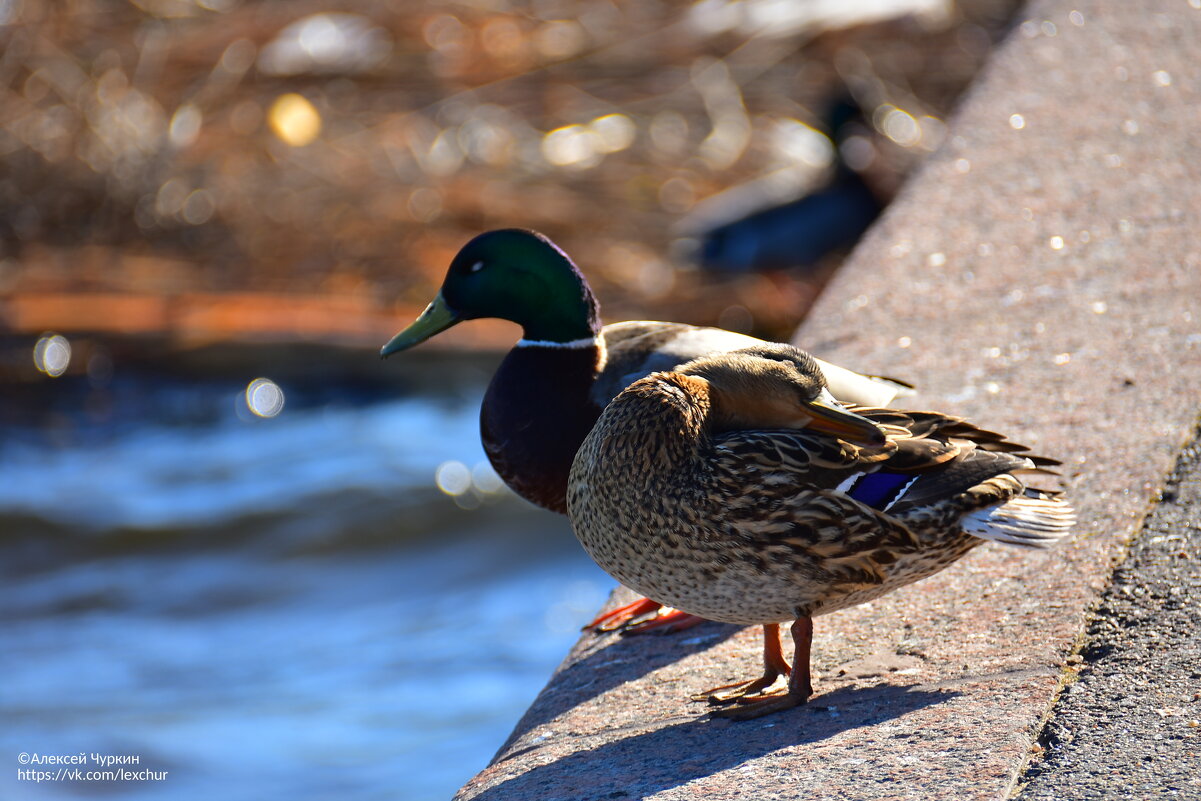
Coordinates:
586 342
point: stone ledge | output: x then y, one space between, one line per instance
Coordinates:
1039 276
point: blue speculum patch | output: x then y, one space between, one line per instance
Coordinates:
877 490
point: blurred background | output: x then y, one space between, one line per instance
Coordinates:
234 542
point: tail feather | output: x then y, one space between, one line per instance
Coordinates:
1032 521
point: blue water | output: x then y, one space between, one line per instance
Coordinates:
157 475
282 608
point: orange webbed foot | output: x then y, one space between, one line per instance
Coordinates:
621 616
642 616
749 702
750 708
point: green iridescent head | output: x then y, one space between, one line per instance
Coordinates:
514 275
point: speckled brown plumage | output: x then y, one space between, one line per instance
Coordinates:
678 495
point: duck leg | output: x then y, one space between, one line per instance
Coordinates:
623 618
774 666
800 685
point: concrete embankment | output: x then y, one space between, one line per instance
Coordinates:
1041 275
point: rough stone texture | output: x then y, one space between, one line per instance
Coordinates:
1130 727
1041 276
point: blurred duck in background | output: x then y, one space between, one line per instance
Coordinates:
801 233
552 386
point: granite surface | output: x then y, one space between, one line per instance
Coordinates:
1040 275
1129 726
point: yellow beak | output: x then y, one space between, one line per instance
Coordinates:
436 318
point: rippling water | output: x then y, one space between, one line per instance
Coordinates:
276 609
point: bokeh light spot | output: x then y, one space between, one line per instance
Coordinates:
561 39
170 198
238 57
445 33
900 126
736 318
571 146
858 152
329 43
486 479
52 355
453 478
185 125
425 204
198 208
796 142
294 120
614 132
264 397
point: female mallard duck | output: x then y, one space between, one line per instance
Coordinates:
551 387
737 489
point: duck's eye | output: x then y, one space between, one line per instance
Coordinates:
475 268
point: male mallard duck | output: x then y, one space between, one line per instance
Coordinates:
737 489
551 387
